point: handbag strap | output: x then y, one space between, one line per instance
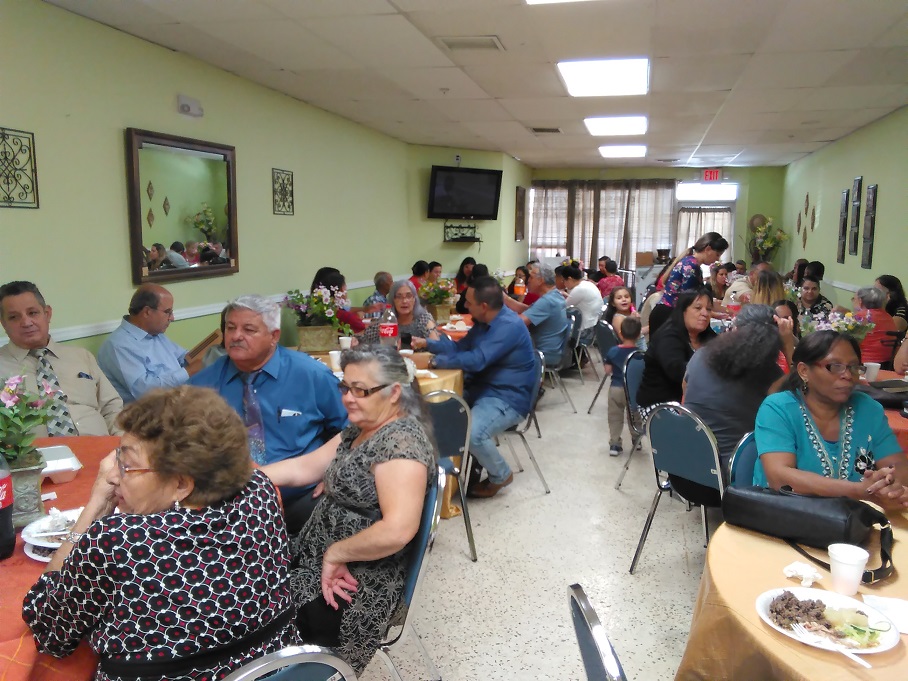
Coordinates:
870 576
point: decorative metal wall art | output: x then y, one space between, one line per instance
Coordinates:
150 190
520 214
150 218
166 206
843 227
855 216
18 169
869 225
282 191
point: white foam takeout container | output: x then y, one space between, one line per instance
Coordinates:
62 464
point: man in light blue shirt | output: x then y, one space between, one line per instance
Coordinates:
545 317
138 356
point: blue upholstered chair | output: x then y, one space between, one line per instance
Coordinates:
741 467
554 372
296 663
606 339
599 658
520 429
633 377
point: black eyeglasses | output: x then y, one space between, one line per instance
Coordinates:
359 392
838 368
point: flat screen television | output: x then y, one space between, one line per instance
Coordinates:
464 193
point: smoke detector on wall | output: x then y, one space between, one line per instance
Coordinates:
189 106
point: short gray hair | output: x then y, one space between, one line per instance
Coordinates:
546 272
418 309
871 297
267 308
382 277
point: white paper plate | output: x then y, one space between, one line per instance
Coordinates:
888 639
32 552
42 525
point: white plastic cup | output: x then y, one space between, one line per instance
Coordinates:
346 342
847 563
334 360
872 370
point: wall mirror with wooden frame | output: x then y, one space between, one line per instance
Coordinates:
181 191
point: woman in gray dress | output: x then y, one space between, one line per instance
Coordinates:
412 317
350 558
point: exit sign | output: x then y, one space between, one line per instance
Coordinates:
712 175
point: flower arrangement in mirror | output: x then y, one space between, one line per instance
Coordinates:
204 222
855 325
319 307
20 413
438 292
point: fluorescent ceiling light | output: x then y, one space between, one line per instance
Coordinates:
605 77
623 150
602 126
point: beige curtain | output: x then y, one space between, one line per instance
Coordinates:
548 220
696 221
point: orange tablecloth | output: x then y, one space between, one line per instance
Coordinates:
457 335
19 660
728 640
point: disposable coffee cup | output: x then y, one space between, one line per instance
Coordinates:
872 370
346 342
334 360
847 563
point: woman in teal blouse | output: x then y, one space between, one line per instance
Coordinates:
821 437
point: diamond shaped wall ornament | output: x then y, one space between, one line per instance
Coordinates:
150 218
166 206
799 223
150 190
813 217
804 238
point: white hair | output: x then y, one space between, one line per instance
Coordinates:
268 309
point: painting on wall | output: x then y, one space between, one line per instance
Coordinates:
843 227
855 216
282 191
18 169
869 224
520 214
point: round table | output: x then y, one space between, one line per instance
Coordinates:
728 640
897 422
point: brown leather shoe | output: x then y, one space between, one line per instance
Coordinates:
487 488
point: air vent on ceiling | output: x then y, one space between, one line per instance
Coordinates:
471 42
546 131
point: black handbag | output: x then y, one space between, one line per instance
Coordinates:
814 521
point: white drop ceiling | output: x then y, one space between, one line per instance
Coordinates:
732 82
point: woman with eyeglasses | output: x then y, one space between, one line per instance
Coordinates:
178 566
823 438
412 317
350 558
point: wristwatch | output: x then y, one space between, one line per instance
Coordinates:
72 537
432 362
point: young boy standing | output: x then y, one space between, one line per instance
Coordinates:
614 366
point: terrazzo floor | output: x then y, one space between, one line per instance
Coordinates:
506 616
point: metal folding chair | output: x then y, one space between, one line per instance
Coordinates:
599 659
633 376
296 663
741 466
606 339
521 429
554 373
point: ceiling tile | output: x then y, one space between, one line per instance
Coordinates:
190 11
447 82
594 29
507 79
472 109
312 9
885 66
115 12
697 73
352 84
851 97
793 69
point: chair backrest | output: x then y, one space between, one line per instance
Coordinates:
684 446
633 377
741 469
573 313
567 356
605 337
296 663
420 545
599 659
451 422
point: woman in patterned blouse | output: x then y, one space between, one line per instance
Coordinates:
350 557
412 317
178 566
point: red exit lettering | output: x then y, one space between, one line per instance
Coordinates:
712 175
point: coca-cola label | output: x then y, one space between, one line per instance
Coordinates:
6 491
387 330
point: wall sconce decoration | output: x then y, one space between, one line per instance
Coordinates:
843 227
869 224
282 191
855 216
18 169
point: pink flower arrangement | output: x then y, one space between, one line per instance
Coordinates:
20 413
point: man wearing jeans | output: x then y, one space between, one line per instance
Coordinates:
500 375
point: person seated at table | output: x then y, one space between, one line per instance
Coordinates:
815 269
434 273
726 382
331 279
611 279
877 346
178 566
896 304
287 399
462 278
718 282
500 376
375 303
412 317
797 272
524 274
158 260
350 560
192 252
620 307
420 272
812 302
85 402
478 271
786 309
742 288
671 348
545 318
175 255
821 437
767 288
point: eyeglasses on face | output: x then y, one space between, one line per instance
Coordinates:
359 392
404 296
124 469
838 368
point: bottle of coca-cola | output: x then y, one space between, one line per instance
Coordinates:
388 330
7 533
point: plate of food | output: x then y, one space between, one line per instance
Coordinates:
455 317
457 326
837 622
40 553
48 531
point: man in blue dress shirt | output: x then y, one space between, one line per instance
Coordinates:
500 376
545 318
137 356
288 400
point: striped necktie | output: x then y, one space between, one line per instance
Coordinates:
60 422
255 426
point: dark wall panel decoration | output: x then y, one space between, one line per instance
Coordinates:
855 216
520 214
869 225
843 228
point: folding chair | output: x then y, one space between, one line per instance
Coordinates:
451 422
633 376
520 430
296 663
554 373
606 339
685 449
419 548
599 659
743 461
582 349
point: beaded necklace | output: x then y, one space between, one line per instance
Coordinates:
846 427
